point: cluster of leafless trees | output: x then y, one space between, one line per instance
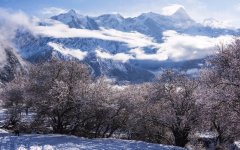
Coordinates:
61 97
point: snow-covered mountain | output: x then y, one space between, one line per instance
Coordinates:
124 49
74 20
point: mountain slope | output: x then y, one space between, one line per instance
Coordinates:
37 49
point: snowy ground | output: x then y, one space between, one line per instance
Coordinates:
62 142
237 144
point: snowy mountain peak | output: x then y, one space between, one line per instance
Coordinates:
150 15
172 9
173 15
176 11
112 17
213 23
114 21
116 15
75 20
181 11
181 14
66 17
72 12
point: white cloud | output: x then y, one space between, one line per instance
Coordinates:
186 47
171 9
77 53
117 57
9 23
60 30
13 21
141 55
51 11
211 22
176 46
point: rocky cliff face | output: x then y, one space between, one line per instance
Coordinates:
11 66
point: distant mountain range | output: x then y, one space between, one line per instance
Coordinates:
124 49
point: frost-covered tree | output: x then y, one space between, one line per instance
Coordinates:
141 125
53 91
14 100
106 110
221 80
174 104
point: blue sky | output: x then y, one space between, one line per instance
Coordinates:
223 10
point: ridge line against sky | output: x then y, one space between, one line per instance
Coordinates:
225 11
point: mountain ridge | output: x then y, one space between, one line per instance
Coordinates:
152 25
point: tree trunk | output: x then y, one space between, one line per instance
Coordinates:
181 138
